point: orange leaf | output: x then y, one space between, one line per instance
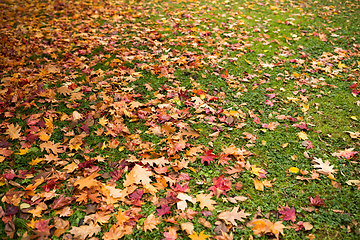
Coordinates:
258 185
13 131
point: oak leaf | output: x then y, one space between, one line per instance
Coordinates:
85 231
233 215
184 197
323 167
88 182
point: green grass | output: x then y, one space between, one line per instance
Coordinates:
119 53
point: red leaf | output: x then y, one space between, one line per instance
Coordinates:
222 184
163 210
288 214
61 201
317 201
208 157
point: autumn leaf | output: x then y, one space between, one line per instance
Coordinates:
163 210
138 175
316 201
13 131
258 185
262 226
184 197
288 214
85 231
347 153
188 227
206 201
323 167
151 222
201 236
233 215
88 182
208 157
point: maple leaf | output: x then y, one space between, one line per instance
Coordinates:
171 234
323 167
223 159
277 228
233 215
138 175
262 226
61 202
208 157
85 231
288 214
43 228
201 236
163 210
261 173
150 223
188 227
117 232
205 201
222 184
13 131
88 182
347 153
317 201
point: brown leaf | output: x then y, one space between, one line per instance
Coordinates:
205 223
10 229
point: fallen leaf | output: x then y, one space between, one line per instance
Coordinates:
233 215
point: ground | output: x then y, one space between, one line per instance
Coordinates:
179 119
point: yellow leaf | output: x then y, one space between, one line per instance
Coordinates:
103 145
263 142
49 122
294 170
341 65
35 161
302 135
192 169
103 121
201 236
305 107
44 137
284 145
255 170
258 185
22 151
353 118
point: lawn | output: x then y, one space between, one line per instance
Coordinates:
179 119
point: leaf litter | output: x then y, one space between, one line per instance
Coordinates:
123 118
